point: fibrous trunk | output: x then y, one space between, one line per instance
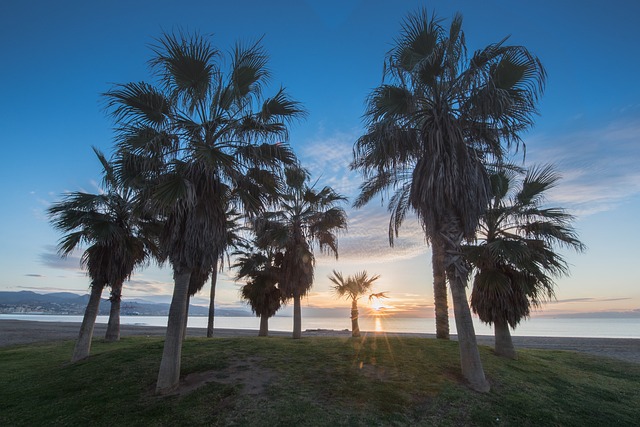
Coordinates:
212 297
440 291
169 374
457 275
83 344
355 329
297 316
264 326
503 342
113 327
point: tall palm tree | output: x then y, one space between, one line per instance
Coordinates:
353 288
514 254
434 121
109 223
189 141
305 217
262 269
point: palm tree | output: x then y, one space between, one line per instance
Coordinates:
306 217
514 253
354 287
434 121
263 271
234 240
109 224
189 141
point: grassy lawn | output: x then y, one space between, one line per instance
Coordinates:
313 382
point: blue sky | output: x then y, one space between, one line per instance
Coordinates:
58 57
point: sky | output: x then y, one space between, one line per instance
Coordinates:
57 58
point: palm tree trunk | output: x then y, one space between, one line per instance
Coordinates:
264 326
503 342
169 374
186 318
83 344
440 291
212 297
457 275
469 355
297 316
113 327
355 329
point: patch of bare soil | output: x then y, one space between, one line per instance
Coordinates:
245 372
376 372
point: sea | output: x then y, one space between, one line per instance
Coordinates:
535 326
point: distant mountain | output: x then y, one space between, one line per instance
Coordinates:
74 304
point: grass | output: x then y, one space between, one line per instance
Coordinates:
312 382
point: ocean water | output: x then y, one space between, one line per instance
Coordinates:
537 326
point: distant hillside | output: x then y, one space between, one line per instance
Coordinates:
74 304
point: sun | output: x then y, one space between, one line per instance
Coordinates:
376 304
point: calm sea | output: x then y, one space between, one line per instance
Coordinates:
538 326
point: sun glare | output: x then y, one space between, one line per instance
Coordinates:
379 327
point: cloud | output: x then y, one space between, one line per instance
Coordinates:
589 300
34 275
51 258
598 166
141 286
367 238
328 157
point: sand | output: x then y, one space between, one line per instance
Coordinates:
13 332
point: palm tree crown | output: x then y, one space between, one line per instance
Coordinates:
353 287
514 254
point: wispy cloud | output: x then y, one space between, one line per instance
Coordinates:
368 237
599 166
139 286
327 158
587 300
51 258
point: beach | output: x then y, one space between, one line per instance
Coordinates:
15 332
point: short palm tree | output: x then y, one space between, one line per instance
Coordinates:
262 270
431 126
353 288
189 141
305 217
118 239
514 255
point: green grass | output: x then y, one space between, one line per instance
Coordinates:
314 382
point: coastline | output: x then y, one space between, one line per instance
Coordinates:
16 332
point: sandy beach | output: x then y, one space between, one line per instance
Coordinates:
14 332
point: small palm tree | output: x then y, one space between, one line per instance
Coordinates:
436 120
188 141
119 239
262 270
305 217
353 288
514 254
